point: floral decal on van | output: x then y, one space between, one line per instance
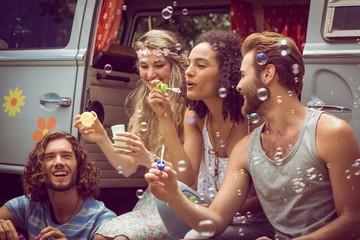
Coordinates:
13 102
44 128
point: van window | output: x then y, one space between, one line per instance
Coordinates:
342 19
187 26
29 25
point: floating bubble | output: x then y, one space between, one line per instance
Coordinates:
222 92
206 228
254 118
124 7
262 94
261 58
222 143
311 173
279 99
355 167
241 232
191 120
143 126
215 46
119 169
295 68
140 193
348 174
296 79
298 185
167 12
178 46
185 11
290 93
174 3
217 134
278 154
182 165
239 192
248 214
108 68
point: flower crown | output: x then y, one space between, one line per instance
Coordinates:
144 53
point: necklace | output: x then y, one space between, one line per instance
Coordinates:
216 151
222 142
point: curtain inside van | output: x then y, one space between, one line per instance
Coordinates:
108 25
288 19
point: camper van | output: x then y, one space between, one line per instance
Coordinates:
59 58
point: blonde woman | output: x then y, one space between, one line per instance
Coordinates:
160 57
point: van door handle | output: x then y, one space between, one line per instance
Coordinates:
331 108
51 99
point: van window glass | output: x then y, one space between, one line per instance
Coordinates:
187 27
346 18
36 24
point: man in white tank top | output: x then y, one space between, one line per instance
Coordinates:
299 159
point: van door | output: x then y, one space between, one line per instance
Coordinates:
332 60
43 45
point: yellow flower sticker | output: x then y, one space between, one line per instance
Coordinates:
13 102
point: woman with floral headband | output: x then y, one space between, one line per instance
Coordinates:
159 57
213 124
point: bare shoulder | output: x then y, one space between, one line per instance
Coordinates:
335 139
239 153
330 126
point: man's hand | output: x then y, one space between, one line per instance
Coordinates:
51 232
7 230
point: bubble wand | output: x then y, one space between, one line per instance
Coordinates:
164 87
161 163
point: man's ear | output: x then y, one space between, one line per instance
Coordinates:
268 74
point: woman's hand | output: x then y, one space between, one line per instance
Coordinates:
133 147
158 100
94 133
162 183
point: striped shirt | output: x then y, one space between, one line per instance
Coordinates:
34 216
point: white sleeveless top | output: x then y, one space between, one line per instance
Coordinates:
206 178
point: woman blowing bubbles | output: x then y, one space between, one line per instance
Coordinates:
213 124
159 57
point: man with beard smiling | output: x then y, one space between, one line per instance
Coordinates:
297 159
59 186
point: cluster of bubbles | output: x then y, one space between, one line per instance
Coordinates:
167 12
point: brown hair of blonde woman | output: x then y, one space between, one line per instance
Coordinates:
280 51
34 175
140 110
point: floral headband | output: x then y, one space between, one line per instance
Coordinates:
144 53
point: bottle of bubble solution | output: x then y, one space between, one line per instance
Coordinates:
87 119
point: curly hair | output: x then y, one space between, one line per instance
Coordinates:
34 175
140 110
227 46
281 51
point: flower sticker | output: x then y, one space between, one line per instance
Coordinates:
13 102
44 128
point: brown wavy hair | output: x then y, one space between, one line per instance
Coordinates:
34 175
152 137
227 46
274 45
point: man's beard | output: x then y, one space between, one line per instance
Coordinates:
252 103
60 188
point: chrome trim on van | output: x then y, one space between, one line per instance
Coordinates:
331 108
332 53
